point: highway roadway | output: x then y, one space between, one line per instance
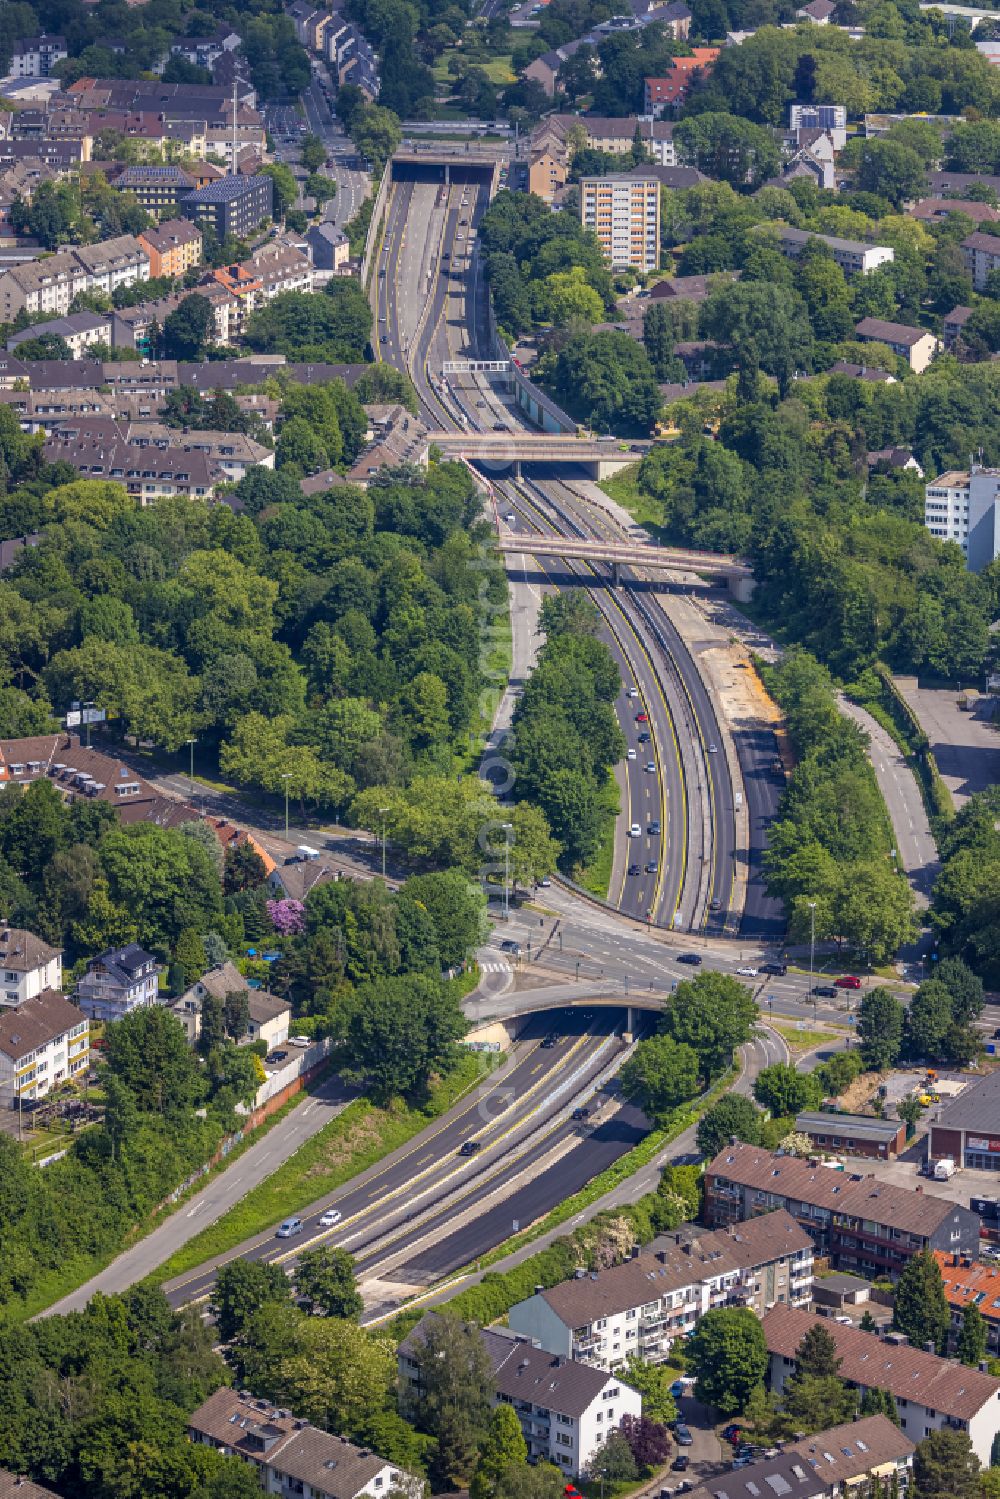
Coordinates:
430 302
399 1219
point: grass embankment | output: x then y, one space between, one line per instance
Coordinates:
358 1138
623 488
807 1040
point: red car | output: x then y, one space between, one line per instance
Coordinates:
733 1434
847 981
642 718
571 1492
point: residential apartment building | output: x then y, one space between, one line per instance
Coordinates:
229 454
915 345
203 51
969 1282
16 1486
28 966
817 117
50 285
852 255
233 205
840 1461
663 95
981 254
36 56
80 331
149 474
566 1409
121 980
279 267
43 1042
659 1295
964 507
953 324
158 189
329 247
931 1393
623 210
173 247
859 1222
292 1457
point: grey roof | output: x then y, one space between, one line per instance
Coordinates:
977 1107
37 1022
22 952
123 963
848 246
841 1281
13 1486
892 333
817 1465
225 189
848 1126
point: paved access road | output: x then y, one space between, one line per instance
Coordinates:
262 1158
392 1213
353 184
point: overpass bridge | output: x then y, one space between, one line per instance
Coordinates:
627 554
511 449
446 162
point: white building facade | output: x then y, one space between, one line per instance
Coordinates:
965 508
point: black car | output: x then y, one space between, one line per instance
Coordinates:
824 991
644 738
548 1042
634 869
779 968
680 1463
690 957
715 904
471 1147
384 339
654 828
581 1114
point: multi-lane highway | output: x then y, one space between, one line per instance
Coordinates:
428 1206
676 851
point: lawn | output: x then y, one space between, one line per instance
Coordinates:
624 489
359 1137
596 877
806 1040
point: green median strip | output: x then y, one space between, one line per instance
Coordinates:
358 1138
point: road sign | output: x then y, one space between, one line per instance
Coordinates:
77 716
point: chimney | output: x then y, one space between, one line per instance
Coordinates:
918 1190
929 1346
635 1251
984 1367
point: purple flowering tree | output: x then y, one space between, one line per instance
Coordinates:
287 917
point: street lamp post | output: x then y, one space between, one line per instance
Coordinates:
382 813
286 777
508 828
191 744
812 946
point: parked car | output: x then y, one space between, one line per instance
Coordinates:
747 972
779 968
510 946
274 1057
290 1228
682 1435
680 1463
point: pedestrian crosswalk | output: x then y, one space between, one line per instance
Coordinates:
494 967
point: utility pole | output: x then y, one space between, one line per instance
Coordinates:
812 947
286 777
191 744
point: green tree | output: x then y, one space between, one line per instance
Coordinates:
241 1288
399 1031
972 1336
919 1307
324 1281
868 1324
376 133
456 906
658 338
713 1013
772 321
653 1383
728 1357
312 153
880 1029
613 1461
661 1073
147 1051
878 1402
189 954
945 1467
236 1014
891 170
732 1115
503 1447
188 328
285 188
728 148
455 1392
785 1092
566 297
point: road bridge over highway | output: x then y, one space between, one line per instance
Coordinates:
656 559
510 449
447 163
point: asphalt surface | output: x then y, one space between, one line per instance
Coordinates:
353 184
262 1158
916 849
425 1189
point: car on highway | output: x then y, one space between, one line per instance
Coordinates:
548 1042
290 1228
510 518
642 718
652 867
713 749
654 829
631 692
330 1217
746 972
581 1114
470 1147
384 339
847 981
651 767
635 831
630 754
634 869
824 991
692 958
644 738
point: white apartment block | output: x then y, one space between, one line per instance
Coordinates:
43 1042
623 210
965 508
930 1393
36 56
981 253
50 285
566 1408
28 966
852 255
642 1306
